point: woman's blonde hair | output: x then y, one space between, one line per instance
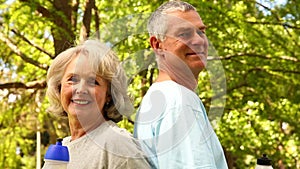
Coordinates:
105 63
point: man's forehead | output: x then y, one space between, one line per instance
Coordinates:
183 14
184 25
189 18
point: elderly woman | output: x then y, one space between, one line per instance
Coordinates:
87 84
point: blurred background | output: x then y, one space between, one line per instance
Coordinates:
251 88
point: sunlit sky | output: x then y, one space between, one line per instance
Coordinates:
271 4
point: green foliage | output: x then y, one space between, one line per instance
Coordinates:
250 88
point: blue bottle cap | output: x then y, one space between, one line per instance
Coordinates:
57 152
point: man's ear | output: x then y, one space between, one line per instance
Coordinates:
155 44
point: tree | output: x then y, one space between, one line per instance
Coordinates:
259 48
250 88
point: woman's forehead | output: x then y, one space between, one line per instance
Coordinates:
80 64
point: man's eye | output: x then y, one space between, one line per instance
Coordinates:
200 32
185 34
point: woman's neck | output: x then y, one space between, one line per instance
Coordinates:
78 129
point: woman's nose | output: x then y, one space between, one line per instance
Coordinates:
80 88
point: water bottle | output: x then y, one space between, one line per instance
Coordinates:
57 156
264 163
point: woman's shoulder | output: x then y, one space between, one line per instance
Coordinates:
121 141
113 134
116 131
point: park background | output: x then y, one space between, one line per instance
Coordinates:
251 89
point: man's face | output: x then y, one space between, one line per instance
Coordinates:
186 39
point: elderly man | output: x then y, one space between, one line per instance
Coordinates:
172 121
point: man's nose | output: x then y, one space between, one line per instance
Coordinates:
199 38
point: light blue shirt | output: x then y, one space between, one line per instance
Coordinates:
173 125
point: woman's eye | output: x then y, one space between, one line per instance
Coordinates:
73 79
93 82
96 82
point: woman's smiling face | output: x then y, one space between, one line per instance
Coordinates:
83 94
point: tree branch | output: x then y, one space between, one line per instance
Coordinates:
63 17
97 22
228 57
31 43
42 10
244 83
221 94
278 18
74 15
19 85
87 17
23 56
269 9
285 25
285 71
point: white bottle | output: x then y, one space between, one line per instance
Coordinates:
57 156
264 163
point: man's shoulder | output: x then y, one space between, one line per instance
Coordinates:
166 88
171 92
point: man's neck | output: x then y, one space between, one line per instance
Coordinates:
163 76
189 83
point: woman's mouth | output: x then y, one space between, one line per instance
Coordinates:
81 102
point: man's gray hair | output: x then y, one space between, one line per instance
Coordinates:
158 21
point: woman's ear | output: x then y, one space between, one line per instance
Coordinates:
108 98
59 88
